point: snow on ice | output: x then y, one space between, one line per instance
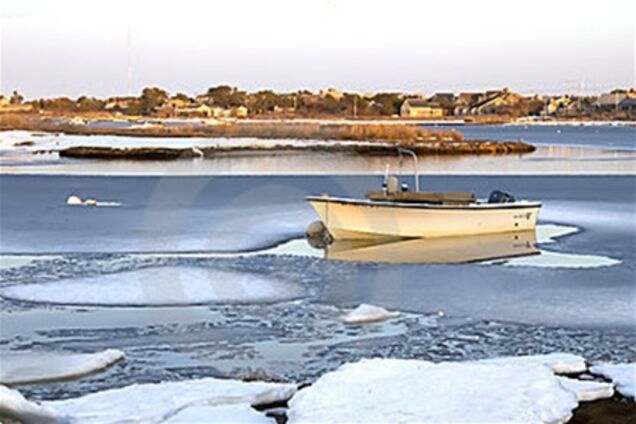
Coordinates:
157 286
622 375
368 313
34 367
391 390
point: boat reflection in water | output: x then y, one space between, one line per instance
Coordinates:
439 250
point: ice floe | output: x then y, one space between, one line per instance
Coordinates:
548 259
547 233
30 367
157 286
394 390
560 363
622 375
16 261
75 200
14 406
220 414
587 391
203 400
368 313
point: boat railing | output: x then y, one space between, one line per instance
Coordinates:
402 151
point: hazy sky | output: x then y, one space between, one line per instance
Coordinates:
75 47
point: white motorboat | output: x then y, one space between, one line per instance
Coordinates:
395 212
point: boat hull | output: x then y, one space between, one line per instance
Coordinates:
366 219
439 250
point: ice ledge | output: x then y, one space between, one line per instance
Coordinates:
35 367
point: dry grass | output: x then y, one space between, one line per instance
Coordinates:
388 136
401 133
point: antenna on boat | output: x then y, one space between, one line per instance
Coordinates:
415 164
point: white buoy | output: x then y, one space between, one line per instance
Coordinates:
90 202
74 200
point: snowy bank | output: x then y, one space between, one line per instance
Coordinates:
622 375
186 401
392 390
207 400
14 406
368 313
30 367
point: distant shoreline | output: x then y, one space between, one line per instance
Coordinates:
370 138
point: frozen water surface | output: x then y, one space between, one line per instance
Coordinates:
157 286
250 230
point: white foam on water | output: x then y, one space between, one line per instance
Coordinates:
34 367
622 375
157 286
395 390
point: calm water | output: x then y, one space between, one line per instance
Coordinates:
85 279
603 137
573 151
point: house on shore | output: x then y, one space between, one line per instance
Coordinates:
419 108
445 100
464 101
495 102
610 101
628 105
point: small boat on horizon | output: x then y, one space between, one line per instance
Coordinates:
396 212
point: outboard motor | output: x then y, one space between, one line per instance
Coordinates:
498 196
392 185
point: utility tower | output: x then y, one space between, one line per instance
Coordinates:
129 64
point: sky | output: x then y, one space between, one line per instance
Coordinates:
117 47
